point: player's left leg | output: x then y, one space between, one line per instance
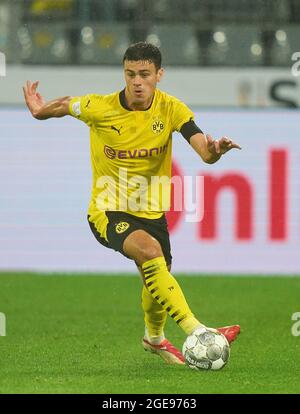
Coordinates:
147 253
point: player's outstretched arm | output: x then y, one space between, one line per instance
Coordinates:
39 108
211 150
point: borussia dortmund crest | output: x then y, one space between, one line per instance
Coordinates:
121 227
157 126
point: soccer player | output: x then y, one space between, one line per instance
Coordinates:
131 139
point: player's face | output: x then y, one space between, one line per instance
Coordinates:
141 78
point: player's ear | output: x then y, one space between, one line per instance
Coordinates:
160 74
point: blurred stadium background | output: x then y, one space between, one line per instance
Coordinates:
232 61
194 32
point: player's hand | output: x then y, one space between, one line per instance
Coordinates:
220 146
33 99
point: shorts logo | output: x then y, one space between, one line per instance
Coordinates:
121 227
157 126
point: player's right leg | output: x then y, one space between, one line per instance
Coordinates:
122 232
111 230
147 252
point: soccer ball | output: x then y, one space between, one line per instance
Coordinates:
206 348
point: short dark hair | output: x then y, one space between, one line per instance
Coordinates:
143 51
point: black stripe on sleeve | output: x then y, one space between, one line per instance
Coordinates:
189 129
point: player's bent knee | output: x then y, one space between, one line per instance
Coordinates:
144 253
141 247
149 253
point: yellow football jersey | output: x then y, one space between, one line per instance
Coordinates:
131 151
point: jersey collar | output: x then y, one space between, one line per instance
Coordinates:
123 103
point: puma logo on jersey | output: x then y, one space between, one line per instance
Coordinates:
116 129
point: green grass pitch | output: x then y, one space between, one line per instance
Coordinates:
82 334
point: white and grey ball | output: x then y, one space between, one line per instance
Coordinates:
206 349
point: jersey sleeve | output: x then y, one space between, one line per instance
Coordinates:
181 114
86 108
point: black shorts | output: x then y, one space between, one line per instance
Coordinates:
121 224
